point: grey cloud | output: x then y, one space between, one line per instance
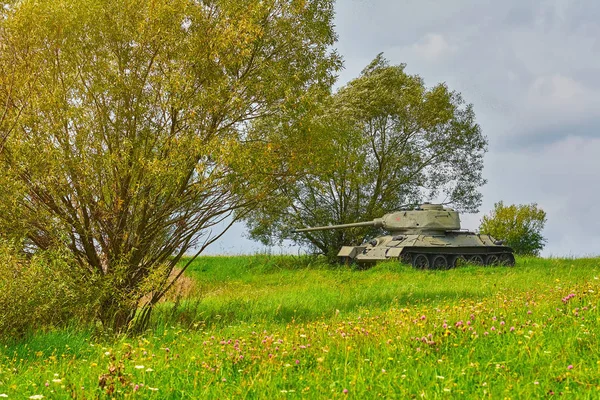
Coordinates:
519 15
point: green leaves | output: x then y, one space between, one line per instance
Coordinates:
520 225
125 126
390 141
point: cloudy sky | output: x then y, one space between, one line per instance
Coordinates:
532 71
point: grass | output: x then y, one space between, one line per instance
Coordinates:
288 327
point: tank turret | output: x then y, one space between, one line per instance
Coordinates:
427 236
425 219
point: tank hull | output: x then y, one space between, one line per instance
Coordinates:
432 251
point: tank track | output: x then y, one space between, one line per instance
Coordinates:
431 258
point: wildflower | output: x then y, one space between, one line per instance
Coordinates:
570 367
3 395
153 389
297 362
47 384
512 328
139 367
528 311
224 380
136 388
56 380
345 391
536 383
36 396
486 333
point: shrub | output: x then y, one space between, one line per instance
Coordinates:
520 225
40 291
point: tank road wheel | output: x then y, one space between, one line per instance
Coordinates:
456 261
439 261
506 259
405 258
491 260
476 259
420 261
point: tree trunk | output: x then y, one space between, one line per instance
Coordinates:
117 313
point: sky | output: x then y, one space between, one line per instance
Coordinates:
532 71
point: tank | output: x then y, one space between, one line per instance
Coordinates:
427 237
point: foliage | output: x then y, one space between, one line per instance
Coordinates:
124 126
41 292
520 226
524 332
392 142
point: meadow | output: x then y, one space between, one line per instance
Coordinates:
264 327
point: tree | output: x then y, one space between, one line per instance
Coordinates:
392 142
125 126
520 226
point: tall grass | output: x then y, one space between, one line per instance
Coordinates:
279 327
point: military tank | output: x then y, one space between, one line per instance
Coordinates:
428 237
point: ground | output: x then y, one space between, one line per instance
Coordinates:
286 327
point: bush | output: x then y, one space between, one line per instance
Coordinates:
40 291
519 225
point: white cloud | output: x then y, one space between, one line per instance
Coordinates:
557 101
433 47
556 90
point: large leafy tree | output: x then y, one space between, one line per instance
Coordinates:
124 126
520 226
392 142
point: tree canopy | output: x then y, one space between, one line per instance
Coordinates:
125 125
520 226
392 142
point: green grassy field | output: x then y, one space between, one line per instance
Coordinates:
283 327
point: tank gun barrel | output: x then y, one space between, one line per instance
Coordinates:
342 226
